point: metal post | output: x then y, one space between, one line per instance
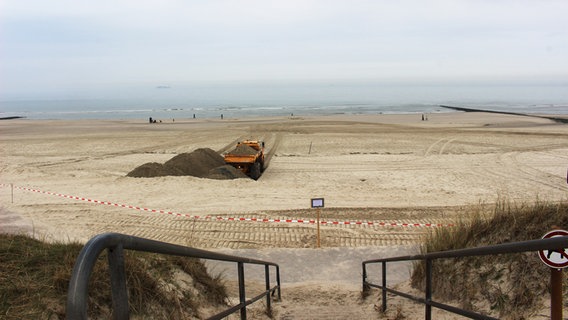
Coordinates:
556 294
118 283
278 282
267 276
384 268
428 289
242 293
365 286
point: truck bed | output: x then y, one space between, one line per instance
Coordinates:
231 158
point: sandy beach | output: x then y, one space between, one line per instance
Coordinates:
386 179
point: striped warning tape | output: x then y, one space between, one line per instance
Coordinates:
220 218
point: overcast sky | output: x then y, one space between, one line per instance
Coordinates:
75 45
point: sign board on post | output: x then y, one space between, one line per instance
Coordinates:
556 260
318 204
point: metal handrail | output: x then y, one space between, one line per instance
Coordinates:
555 243
116 243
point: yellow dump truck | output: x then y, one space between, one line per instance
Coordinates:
248 156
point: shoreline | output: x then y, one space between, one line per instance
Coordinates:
244 112
387 118
393 118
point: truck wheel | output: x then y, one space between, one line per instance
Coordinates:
255 171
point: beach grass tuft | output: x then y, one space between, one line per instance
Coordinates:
35 276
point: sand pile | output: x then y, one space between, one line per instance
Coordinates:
197 163
201 163
243 150
148 170
225 172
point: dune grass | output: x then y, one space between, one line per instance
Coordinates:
510 285
34 279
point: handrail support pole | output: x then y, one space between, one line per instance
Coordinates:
268 297
364 276
118 283
278 282
384 280
428 289
242 293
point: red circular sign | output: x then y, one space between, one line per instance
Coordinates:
554 258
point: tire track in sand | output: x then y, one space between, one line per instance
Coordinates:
246 234
444 142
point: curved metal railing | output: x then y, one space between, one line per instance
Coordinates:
555 243
116 243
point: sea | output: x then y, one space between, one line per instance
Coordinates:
245 101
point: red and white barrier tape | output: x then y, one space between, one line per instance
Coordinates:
219 218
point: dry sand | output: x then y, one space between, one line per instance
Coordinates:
394 169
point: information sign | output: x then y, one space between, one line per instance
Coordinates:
317 202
